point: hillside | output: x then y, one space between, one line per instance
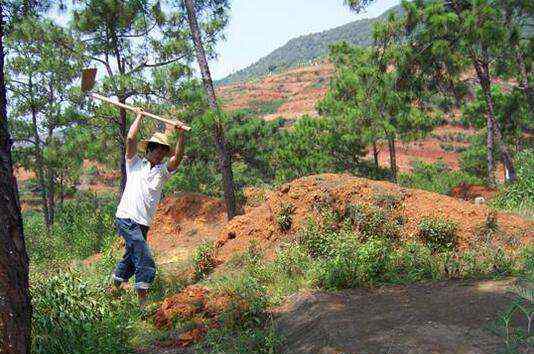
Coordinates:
309 48
295 92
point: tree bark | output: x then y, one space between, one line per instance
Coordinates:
375 154
392 157
494 130
225 162
15 306
51 195
525 85
40 166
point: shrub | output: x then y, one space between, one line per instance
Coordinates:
203 260
285 216
351 267
519 196
436 177
439 234
82 227
71 315
372 221
410 263
387 200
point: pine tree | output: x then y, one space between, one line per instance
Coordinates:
129 40
438 31
225 162
41 75
15 306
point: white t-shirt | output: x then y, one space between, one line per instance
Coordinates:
143 190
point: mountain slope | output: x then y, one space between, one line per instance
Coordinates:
308 48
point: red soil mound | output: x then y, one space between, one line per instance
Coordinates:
339 191
185 221
201 308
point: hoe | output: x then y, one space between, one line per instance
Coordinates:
88 82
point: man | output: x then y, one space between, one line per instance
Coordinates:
145 179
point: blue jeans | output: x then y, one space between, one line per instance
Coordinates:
137 259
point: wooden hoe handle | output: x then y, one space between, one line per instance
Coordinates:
176 123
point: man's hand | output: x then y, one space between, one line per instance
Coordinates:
176 158
131 139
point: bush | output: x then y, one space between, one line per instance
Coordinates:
285 216
82 227
203 260
349 267
519 196
438 234
436 177
71 315
373 221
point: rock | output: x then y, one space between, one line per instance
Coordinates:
285 189
480 200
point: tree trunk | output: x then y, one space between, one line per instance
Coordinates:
494 130
15 306
61 192
392 157
525 86
375 154
39 163
225 162
51 195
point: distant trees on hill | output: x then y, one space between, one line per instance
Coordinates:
422 56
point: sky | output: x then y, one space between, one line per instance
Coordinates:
257 27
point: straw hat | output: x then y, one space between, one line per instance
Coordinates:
158 138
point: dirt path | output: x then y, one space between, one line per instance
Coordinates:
446 317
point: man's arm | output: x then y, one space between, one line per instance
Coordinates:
131 139
175 160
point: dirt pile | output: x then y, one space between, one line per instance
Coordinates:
306 195
183 222
200 309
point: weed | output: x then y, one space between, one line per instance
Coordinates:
285 216
387 200
439 234
203 260
372 221
75 314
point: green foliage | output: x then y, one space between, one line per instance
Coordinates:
436 177
511 111
519 196
317 145
285 216
438 234
365 92
349 267
372 221
203 260
71 315
84 226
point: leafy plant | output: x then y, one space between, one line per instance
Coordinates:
438 234
72 315
285 216
204 260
